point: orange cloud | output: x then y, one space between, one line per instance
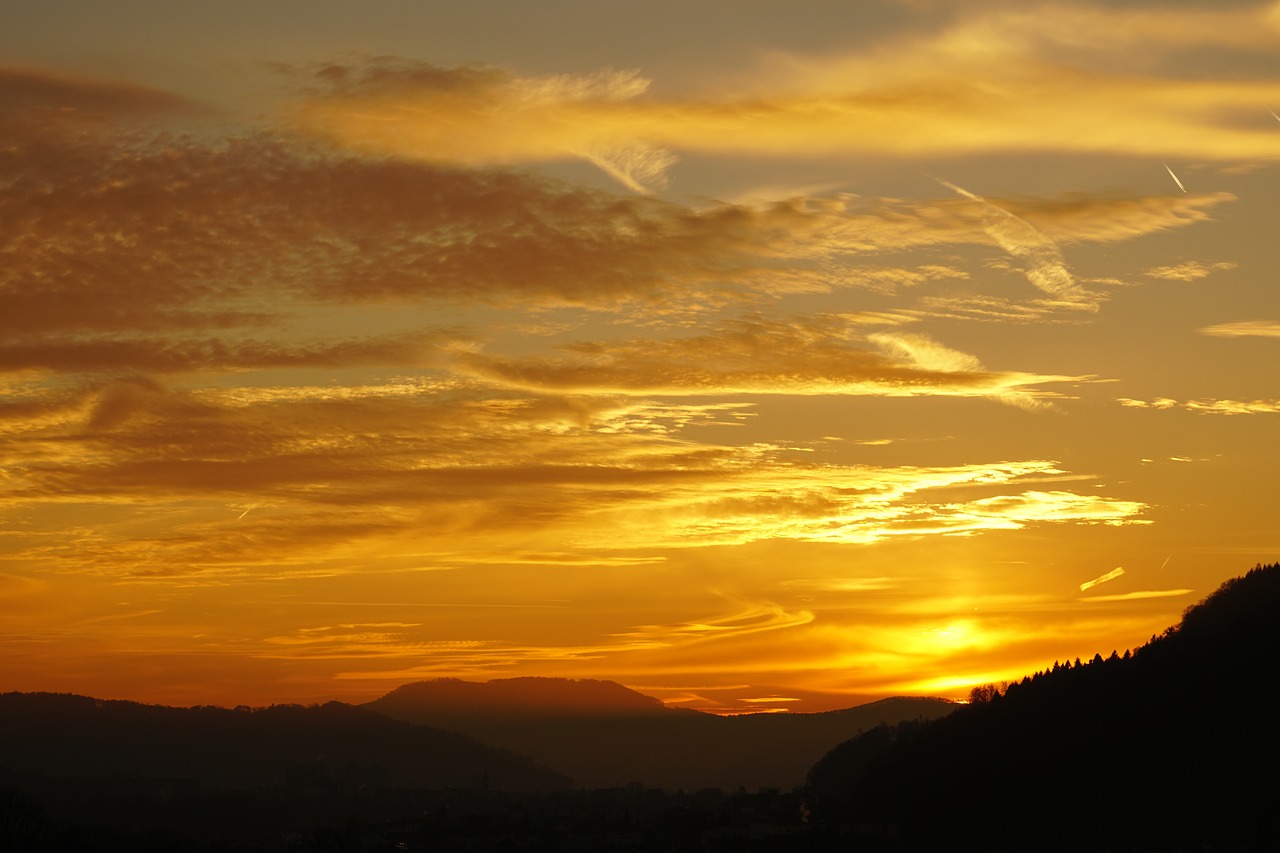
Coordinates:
1059 80
208 254
801 356
447 474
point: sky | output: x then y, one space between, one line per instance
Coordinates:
757 356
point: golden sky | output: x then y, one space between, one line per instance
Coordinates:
754 355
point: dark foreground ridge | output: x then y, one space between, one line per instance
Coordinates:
1171 748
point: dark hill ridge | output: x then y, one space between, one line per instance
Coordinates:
602 734
1172 747
63 735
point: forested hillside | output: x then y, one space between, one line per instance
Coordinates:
1172 745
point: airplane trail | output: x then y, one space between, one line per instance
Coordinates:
1109 576
1175 177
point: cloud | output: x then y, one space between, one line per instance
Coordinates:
1005 80
982 308
927 353
120 400
1188 271
1016 510
187 236
798 356
477 115
1234 407
1214 407
444 474
38 102
184 235
1103 218
211 248
636 165
753 619
1140 595
175 355
1244 329
1158 403
177 313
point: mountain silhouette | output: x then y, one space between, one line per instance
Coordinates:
603 734
63 735
1172 746
528 697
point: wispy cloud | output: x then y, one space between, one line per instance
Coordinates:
750 620
799 356
1017 510
456 475
1234 407
1140 595
1244 329
1189 270
1215 407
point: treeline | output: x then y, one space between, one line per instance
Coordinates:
1169 746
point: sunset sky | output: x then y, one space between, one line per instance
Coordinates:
751 354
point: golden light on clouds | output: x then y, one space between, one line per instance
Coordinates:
1003 82
778 373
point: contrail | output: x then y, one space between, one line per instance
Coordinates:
1166 560
246 512
1175 177
1273 115
1045 267
1109 576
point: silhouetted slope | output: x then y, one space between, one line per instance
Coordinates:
1175 745
75 736
602 734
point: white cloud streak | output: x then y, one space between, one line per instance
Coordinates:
1101 579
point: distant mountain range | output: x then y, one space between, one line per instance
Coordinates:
1171 747
61 735
602 734
518 734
